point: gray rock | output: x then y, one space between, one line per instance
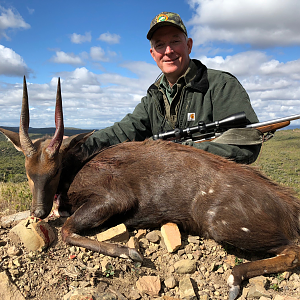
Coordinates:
185 266
186 289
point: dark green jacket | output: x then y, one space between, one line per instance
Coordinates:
212 95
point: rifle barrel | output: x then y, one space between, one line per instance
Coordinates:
290 118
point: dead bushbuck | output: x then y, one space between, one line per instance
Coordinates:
147 184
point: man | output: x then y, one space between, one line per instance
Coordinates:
186 93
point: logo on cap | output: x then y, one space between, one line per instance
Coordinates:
162 18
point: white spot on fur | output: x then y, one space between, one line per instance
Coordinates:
230 280
212 213
224 222
245 229
211 191
203 193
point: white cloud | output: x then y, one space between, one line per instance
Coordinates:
79 39
11 63
89 100
10 18
98 54
259 23
241 64
110 38
30 10
61 57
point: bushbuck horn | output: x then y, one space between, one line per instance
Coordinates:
56 141
26 143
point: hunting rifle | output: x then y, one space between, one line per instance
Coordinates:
210 131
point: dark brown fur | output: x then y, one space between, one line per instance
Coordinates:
147 184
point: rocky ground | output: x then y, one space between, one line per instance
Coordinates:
198 270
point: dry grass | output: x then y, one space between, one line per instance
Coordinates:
14 197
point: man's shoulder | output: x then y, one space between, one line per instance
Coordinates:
213 73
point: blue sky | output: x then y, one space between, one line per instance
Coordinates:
100 51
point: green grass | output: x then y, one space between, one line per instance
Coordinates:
280 158
11 162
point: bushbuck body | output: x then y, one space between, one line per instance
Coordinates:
146 184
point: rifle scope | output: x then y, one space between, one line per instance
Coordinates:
235 120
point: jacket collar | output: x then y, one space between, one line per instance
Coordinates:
199 82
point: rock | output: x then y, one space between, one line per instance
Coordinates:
6 220
144 243
14 251
89 293
204 296
134 295
185 266
171 236
118 233
133 242
186 289
8 291
170 298
141 233
259 280
153 236
278 297
105 264
257 291
170 282
193 239
149 284
33 233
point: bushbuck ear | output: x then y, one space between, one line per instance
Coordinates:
13 137
74 141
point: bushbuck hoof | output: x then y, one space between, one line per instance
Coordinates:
234 289
234 292
135 255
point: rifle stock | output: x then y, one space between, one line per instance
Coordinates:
273 127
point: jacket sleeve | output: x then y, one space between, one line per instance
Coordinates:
228 97
134 126
240 154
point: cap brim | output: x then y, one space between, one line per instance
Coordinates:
161 24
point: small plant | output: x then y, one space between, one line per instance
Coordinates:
280 277
274 286
238 261
137 268
109 272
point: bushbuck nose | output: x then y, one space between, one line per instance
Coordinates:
40 212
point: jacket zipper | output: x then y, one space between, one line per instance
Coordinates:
181 100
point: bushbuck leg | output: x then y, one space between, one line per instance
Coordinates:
288 258
92 214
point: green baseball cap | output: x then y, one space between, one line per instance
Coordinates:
163 19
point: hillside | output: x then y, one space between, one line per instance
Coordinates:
49 130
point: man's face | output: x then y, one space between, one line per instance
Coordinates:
170 50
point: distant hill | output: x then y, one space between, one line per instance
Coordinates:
49 130
291 127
